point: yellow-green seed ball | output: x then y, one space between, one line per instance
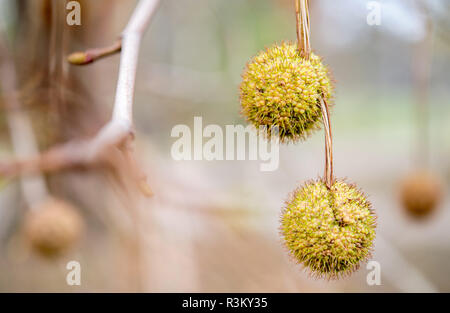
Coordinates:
280 88
329 231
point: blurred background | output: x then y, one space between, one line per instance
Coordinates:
212 226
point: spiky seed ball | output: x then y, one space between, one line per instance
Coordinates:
53 227
280 88
328 231
420 193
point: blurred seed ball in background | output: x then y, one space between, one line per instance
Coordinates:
329 231
420 193
281 88
53 227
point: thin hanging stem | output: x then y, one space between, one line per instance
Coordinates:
118 129
298 24
303 27
328 173
305 24
304 47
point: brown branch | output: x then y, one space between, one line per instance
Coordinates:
118 129
421 67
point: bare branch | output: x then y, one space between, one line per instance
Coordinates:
119 128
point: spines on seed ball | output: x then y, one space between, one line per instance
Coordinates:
281 88
329 231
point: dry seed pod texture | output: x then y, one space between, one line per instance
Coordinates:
329 231
420 193
54 227
281 88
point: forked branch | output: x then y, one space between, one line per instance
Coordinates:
119 128
304 47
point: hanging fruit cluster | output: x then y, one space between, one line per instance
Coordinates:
327 225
